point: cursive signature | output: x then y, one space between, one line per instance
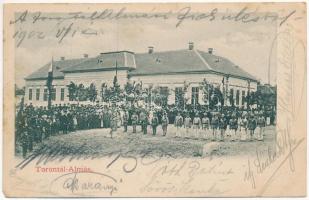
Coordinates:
182 177
84 183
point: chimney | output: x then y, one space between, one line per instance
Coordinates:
210 50
85 55
150 50
191 45
62 58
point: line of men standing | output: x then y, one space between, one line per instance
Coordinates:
220 126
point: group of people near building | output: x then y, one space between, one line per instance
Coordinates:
35 124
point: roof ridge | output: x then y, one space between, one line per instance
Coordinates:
166 51
202 59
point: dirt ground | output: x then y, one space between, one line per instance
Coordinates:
98 142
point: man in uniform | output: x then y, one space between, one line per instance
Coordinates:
233 126
205 124
165 122
196 125
178 124
125 120
222 126
251 126
25 142
214 126
154 123
29 136
261 122
144 122
187 124
45 126
134 119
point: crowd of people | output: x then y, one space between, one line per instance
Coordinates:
35 124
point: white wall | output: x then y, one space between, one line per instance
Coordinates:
177 80
86 78
171 80
41 84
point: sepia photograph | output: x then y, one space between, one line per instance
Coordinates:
142 86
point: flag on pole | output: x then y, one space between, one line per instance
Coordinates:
115 78
49 82
50 73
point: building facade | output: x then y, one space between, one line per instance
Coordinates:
168 69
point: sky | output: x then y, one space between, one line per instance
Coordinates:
247 45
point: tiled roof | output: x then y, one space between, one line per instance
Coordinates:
178 61
57 67
186 61
124 59
225 66
168 62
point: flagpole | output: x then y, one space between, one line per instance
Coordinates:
116 69
49 84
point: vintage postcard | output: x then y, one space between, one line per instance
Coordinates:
155 100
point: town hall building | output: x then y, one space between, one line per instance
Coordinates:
166 69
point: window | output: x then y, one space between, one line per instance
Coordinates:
179 96
194 97
30 94
231 96
45 95
37 95
243 97
237 97
62 94
53 94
